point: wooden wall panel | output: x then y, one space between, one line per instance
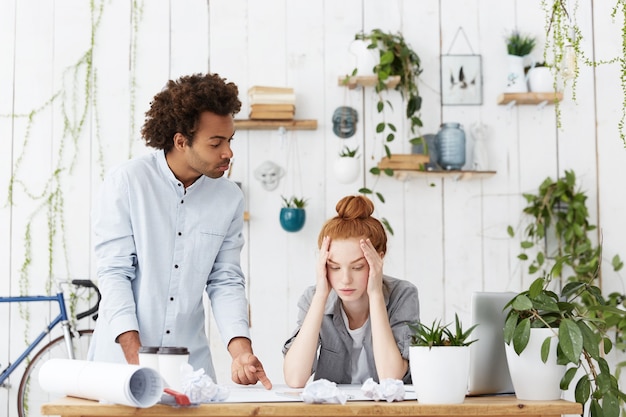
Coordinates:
7 39
450 236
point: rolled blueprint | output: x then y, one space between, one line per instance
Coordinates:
116 383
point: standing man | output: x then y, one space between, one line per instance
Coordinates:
168 227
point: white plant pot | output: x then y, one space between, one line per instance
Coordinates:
440 374
532 379
347 169
540 80
515 79
364 59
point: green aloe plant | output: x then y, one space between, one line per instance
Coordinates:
294 202
439 334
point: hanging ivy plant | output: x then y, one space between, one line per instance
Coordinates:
396 58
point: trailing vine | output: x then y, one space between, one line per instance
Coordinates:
76 100
563 44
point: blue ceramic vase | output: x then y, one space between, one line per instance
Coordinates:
292 219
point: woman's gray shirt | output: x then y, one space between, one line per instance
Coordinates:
335 344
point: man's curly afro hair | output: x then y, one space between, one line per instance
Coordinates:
177 108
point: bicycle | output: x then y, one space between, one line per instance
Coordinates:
73 344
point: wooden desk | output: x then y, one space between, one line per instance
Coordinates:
473 406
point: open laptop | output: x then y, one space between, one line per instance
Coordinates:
489 371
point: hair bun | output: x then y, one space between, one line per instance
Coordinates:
354 207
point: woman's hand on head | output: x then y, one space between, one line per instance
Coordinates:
322 284
375 262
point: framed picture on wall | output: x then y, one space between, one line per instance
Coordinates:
461 80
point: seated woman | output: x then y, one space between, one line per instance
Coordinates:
353 323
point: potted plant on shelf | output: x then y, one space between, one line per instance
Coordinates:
347 165
518 46
439 362
292 214
539 76
396 58
579 321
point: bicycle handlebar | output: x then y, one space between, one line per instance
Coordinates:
88 284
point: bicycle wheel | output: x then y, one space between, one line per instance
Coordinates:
30 396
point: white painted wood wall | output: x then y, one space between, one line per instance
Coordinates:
450 236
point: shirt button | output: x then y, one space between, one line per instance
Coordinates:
167 332
182 201
180 234
171 298
176 266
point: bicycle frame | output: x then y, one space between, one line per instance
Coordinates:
61 318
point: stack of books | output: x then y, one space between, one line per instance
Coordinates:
272 103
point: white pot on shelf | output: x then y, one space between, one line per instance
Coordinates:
515 79
540 80
364 58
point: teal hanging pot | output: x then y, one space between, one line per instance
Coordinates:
292 219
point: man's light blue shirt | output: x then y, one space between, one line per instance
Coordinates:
159 246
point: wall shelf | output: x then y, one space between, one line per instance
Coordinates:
367 81
302 124
404 174
529 98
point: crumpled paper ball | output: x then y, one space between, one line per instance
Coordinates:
323 391
199 387
389 390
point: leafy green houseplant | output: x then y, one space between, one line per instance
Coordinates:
292 214
582 339
557 244
557 238
396 58
439 361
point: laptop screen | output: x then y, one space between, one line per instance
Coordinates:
489 371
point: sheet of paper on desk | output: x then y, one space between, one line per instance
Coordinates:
282 393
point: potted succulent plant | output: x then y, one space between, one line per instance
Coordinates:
518 46
292 214
347 165
439 361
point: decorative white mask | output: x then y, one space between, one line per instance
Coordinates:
269 174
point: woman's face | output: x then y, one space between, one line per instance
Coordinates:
347 269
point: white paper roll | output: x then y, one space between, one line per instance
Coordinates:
116 383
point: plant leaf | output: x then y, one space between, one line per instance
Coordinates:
521 336
570 340
545 349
